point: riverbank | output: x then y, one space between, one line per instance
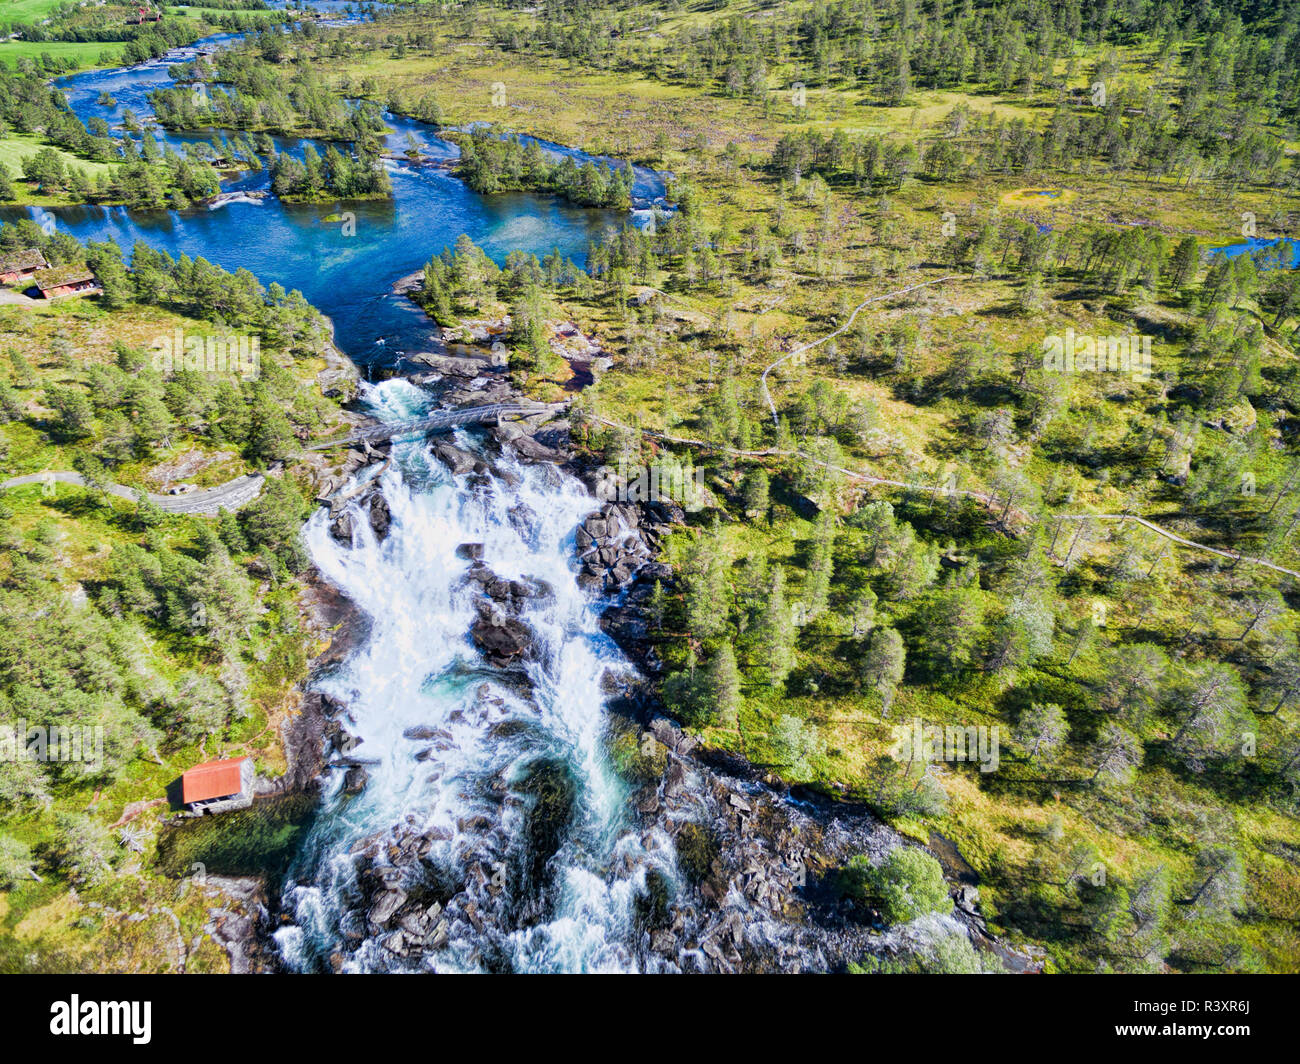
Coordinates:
759 861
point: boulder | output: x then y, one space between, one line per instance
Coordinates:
456 460
503 640
529 448
510 594
354 782
341 528
507 432
384 906
425 732
381 517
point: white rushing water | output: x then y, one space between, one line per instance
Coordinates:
419 669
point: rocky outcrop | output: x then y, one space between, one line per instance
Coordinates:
510 595
627 623
381 517
457 460
504 640
619 543
372 503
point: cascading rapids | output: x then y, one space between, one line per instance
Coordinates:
419 670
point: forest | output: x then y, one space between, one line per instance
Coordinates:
490 163
883 222
186 628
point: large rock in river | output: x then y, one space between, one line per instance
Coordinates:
503 640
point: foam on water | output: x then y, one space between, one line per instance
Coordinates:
411 673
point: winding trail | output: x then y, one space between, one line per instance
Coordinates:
830 336
989 501
1235 556
228 496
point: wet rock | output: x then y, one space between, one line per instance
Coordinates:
628 624
739 803
458 461
425 732
381 517
331 705
551 791
384 906
355 780
471 552
341 528
417 925
664 943
503 640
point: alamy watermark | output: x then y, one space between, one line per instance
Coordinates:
930 743
73 743
220 356
1081 353
81 1018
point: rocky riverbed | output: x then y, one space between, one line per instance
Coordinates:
757 862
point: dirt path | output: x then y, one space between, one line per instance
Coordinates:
229 496
830 336
987 500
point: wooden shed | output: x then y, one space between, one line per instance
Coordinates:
218 786
63 281
21 265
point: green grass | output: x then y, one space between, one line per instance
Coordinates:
17 147
85 53
26 10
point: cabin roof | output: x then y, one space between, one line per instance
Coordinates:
213 779
61 275
27 259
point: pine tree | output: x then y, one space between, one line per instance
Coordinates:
882 663
707 609
776 632
722 686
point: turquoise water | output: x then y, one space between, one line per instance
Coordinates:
1257 244
348 277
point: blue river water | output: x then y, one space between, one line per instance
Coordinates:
1290 254
344 257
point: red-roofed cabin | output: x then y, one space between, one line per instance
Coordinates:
218 786
63 281
21 265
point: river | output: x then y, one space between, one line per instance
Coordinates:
345 270
492 832
497 738
474 800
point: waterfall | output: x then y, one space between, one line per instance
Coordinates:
468 789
